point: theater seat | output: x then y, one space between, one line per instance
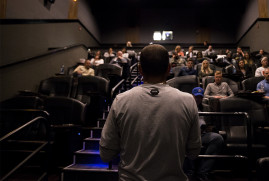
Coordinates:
64 111
56 86
263 169
250 84
184 83
237 129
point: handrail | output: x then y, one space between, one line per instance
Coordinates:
44 54
25 160
44 143
21 127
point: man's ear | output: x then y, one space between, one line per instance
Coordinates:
168 69
140 69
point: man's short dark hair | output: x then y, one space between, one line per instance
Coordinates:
154 60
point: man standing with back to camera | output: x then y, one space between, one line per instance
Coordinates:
152 126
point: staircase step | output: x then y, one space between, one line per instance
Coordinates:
91 144
101 123
88 157
93 172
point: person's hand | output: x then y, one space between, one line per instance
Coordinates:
79 72
266 97
218 97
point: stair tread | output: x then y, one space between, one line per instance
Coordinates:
95 152
103 167
92 139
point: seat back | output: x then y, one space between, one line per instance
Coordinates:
56 86
210 79
107 70
184 83
64 110
89 86
22 102
256 111
250 84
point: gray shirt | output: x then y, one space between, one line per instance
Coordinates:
223 89
153 134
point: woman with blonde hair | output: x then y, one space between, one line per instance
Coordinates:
205 70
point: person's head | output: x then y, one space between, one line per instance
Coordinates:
199 54
110 50
178 48
124 50
266 74
246 55
119 54
218 77
205 64
129 44
261 51
87 64
190 64
205 43
154 62
190 48
198 94
97 57
210 47
264 61
241 64
239 50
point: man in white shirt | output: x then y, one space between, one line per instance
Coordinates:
85 69
259 71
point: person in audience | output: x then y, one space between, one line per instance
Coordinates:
210 53
238 55
218 89
205 70
249 62
119 59
260 55
179 52
96 61
259 71
129 44
174 59
190 52
199 58
188 70
263 86
110 53
152 137
243 70
212 143
84 70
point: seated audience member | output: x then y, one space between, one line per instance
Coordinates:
218 89
190 53
110 53
179 52
188 70
260 55
249 62
210 53
98 53
151 137
212 144
205 70
119 60
259 71
174 59
199 58
129 44
84 70
263 86
243 70
96 61
239 54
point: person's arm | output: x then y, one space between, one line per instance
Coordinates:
110 139
207 91
77 70
258 86
257 72
229 91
